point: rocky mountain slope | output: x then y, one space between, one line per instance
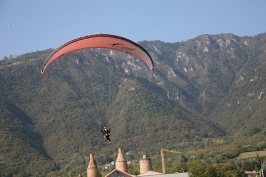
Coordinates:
209 87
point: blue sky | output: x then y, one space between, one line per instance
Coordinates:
31 25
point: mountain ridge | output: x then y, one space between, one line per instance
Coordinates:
191 95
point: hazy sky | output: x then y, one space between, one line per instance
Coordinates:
30 25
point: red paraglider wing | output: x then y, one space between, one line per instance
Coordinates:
101 41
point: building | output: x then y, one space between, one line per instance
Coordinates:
121 168
251 174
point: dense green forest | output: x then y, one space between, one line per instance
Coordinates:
205 98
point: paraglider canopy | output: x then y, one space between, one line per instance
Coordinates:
101 41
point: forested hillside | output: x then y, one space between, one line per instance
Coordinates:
204 97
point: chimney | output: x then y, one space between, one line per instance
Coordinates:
121 163
92 170
145 164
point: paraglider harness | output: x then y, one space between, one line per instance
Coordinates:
106 133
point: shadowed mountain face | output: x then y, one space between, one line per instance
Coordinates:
209 87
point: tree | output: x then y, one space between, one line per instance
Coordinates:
198 169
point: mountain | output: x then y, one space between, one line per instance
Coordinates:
207 90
